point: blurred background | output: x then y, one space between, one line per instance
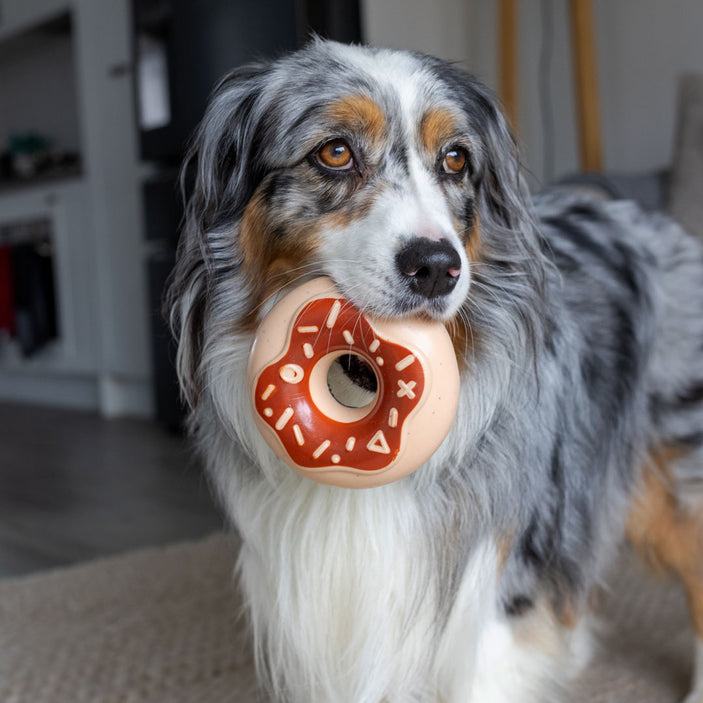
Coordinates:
98 99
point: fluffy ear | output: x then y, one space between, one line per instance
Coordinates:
218 177
504 203
512 265
501 190
503 196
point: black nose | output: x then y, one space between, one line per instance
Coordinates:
431 268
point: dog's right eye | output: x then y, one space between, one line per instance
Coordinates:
455 161
335 155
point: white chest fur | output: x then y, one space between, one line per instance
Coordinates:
343 591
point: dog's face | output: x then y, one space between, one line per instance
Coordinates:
369 182
390 172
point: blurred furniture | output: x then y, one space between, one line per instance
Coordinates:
123 83
182 49
64 74
685 201
677 189
585 75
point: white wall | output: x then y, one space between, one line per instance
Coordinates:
643 45
439 27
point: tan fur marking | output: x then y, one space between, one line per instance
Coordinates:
272 249
361 114
268 260
542 630
339 219
436 129
597 599
464 339
545 615
272 262
568 616
504 546
666 533
474 244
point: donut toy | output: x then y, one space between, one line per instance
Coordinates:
402 419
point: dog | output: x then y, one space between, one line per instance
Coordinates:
577 325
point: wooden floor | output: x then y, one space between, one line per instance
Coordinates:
74 487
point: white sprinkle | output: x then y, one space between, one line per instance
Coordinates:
374 345
268 412
404 363
406 389
348 337
283 420
379 444
308 350
336 458
393 417
267 393
298 435
309 329
350 444
321 449
291 373
379 360
334 314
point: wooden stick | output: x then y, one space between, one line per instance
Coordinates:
507 60
586 81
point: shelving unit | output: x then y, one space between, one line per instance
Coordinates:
73 354
59 77
38 92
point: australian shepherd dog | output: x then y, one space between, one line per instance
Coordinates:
577 325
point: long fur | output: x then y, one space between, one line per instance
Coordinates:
578 330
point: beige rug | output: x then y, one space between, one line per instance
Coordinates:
161 626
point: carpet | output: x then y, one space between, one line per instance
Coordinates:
164 626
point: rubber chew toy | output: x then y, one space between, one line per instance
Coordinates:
417 389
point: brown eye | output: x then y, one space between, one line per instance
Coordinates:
454 161
336 155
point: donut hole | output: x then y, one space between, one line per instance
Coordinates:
352 381
344 390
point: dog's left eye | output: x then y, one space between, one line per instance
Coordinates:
336 155
454 161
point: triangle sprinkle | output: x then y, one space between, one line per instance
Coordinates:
379 444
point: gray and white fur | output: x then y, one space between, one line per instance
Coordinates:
578 326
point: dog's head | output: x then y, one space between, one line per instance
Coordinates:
393 173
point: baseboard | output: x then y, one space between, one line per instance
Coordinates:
120 397
109 395
74 392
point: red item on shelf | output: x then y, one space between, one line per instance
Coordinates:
7 305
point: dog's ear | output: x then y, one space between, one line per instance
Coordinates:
503 196
501 191
219 162
218 177
512 268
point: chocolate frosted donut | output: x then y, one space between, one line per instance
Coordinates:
391 435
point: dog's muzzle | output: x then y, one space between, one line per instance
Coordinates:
430 268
